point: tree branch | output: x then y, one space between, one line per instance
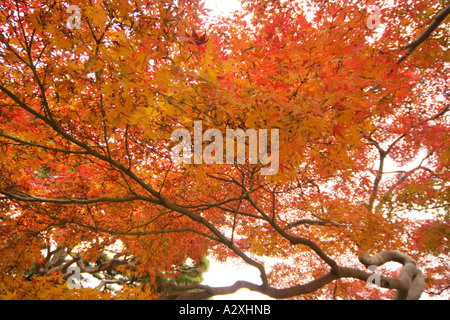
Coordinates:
29 198
105 282
410 274
312 222
297 240
426 34
31 144
172 291
207 291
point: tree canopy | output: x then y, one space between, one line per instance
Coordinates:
91 95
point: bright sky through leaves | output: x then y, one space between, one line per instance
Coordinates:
88 110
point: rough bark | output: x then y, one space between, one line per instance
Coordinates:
410 274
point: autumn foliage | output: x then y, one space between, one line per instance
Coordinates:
86 119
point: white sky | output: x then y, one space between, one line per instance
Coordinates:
226 274
220 7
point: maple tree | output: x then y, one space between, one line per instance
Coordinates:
86 173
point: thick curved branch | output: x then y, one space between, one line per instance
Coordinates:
410 275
